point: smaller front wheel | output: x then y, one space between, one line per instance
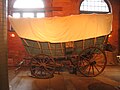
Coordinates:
92 61
42 66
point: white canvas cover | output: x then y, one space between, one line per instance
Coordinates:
62 29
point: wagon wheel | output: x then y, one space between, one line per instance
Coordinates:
42 66
92 61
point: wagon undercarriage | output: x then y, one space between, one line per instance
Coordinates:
90 62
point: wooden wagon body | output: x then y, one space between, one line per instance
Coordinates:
86 52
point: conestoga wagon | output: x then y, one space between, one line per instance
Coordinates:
54 41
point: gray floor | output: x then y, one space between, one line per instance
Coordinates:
108 80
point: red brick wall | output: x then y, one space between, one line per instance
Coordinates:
115 9
16 50
69 7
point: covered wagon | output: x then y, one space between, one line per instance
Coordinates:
80 39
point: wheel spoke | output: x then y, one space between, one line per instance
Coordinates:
36 65
96 56
100 62
41 71
36 61
85 67
46 60
50 67
84 62
96 68
93 69
36 72
89 70
99 58
101 66
48 71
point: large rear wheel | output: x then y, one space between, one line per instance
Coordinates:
92 61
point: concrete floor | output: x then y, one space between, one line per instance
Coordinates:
108 80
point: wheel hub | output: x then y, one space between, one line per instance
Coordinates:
92 63
42 64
